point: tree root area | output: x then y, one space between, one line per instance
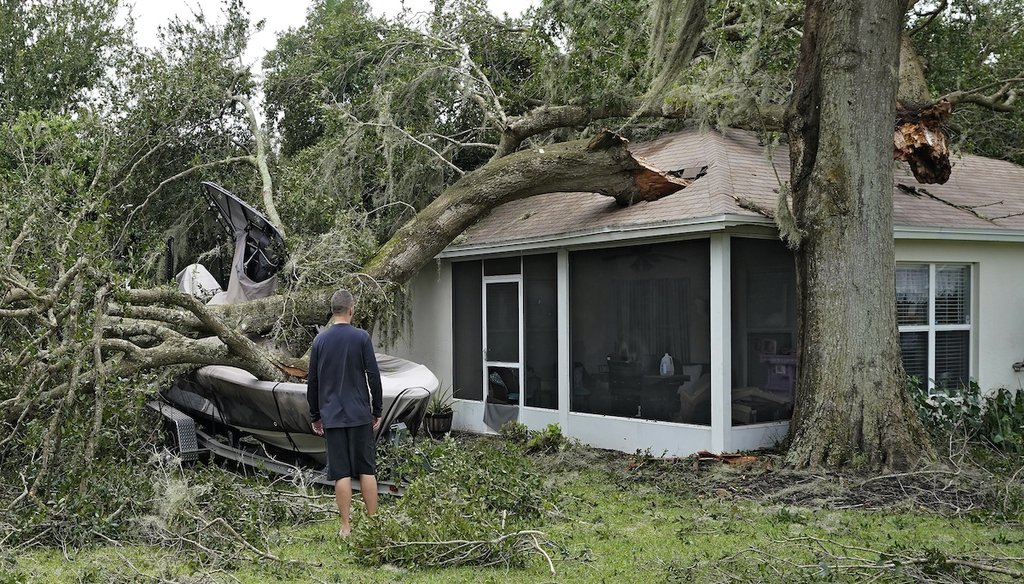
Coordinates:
942 491
953 486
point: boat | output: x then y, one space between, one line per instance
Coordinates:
215 401
277 413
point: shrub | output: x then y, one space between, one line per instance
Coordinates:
475 504
549 439
943 413
515 432
996 419
1003 419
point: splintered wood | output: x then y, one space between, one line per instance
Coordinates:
727 458
919 141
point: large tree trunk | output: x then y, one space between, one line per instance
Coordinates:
852 407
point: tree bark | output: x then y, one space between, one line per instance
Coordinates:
551 117
261 164
852 407
602 165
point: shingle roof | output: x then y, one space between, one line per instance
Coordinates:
982 193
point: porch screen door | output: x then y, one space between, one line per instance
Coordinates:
503 349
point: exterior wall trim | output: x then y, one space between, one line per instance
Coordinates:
704 225
958 234
609 235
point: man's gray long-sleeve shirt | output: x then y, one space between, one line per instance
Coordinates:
343 378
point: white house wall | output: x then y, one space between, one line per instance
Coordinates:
997 305
427 337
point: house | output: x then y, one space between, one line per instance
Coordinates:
670 325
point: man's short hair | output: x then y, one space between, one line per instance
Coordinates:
342 301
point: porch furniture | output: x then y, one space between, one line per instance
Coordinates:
753 405
695 400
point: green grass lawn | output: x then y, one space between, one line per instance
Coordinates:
623 519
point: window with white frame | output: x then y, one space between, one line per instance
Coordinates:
933 310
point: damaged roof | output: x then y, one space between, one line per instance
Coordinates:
735 176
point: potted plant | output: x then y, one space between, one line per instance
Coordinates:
438 417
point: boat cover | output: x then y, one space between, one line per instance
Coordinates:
277 412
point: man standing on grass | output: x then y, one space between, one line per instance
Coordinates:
344 394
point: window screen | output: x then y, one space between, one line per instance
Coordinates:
502 266
540 287
502 322
763 280
467 330
631 308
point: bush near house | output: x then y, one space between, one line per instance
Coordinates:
995 419
550 439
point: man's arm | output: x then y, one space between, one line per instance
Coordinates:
373 378
313 391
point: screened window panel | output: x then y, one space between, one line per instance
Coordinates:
952 359
914 347
502 266
912 295
467 331
540 342
763 331
628 308
503 322
952 294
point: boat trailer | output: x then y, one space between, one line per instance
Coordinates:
191 442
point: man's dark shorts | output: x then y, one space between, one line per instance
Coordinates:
350 452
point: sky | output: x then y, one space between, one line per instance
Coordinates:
280 15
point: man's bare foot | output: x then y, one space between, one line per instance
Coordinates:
344 532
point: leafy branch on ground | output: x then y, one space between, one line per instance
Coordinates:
473 503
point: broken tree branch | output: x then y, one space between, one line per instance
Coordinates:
260 162
926 18
921 192
257 361
919 140
409 137
169 180
548 117
1001 101
603 165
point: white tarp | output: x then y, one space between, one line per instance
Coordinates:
196 280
